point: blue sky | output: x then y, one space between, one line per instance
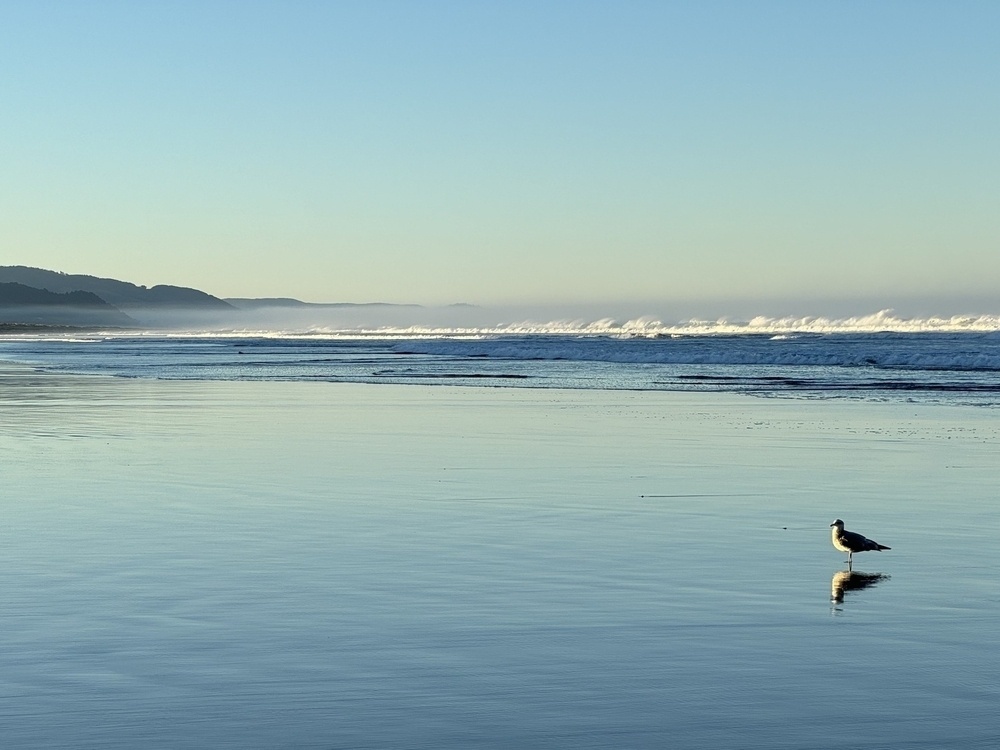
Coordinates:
651 155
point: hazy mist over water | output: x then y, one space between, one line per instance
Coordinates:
910 314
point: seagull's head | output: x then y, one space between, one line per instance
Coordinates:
838 523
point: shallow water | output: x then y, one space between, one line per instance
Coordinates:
953 369
317 565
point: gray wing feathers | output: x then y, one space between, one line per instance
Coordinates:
858 543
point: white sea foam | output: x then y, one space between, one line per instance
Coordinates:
647 326
958 353
883 321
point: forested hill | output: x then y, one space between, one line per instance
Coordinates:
25 304
121 294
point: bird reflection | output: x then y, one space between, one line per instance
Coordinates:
851 580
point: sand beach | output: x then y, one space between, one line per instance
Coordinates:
328 565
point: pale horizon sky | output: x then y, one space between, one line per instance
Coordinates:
545 154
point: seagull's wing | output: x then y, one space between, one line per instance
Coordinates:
855 542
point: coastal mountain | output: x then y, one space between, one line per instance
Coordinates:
20 304
35 296
121 294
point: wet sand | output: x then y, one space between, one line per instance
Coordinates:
315 565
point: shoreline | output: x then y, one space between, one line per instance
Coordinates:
258 563
865 368
11 369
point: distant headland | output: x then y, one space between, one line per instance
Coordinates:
33 299
35 296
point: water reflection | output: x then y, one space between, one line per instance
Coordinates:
852 580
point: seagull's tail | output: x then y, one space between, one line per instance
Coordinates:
880 547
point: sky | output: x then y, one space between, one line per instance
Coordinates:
684 156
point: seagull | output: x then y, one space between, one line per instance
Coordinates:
849 542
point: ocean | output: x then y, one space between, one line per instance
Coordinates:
496 538
959 363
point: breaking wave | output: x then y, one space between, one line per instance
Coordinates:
650 327
871 356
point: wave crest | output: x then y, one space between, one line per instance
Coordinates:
882 321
